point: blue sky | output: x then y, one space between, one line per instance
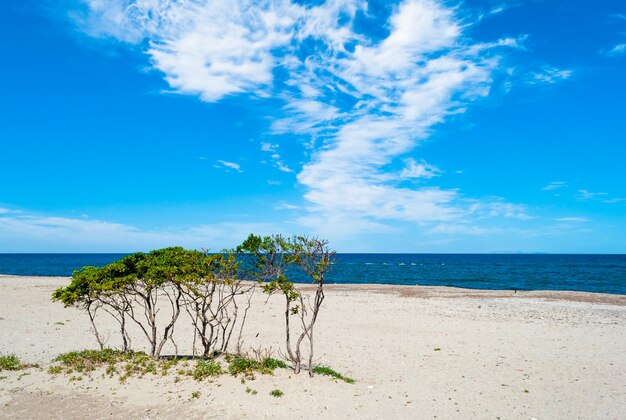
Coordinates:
407 126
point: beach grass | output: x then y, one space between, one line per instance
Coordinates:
247 366
325 370
10 362
113 362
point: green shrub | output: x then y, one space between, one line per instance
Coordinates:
54 370
247 367
277 393
325 370
10 362
273 364
88 360
206 368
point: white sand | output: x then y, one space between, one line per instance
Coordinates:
567 350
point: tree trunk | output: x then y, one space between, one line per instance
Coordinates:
92 318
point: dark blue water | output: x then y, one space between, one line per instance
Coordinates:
591 273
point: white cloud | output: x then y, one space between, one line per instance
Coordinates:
502 7
286 206
269 147
614 200
419 170
554 186
496 207
573 219
585 195
461 229
549 75
231 165
364 102
619 49
276 158
29 232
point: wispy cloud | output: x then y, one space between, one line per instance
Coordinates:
573 219
286 206
422 169
229 165
502 7
614 200
618 49
549 75
586 195
32 232
461 229
364 102
272 149
554 186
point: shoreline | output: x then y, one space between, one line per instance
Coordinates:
451 292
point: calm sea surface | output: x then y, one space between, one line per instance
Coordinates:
592 273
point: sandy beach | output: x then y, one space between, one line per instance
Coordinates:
415 352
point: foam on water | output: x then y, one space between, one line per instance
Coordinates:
593 273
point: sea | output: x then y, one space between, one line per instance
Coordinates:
589 273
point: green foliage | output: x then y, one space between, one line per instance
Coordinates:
250 391
195 394
273 364
206 368
55 370
153 270
325 370
10 362
243 366
129 364
136 280
270 259
80 290
277 393
89 360
115 362
247 367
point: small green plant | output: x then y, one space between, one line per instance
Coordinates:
111 370
247 367
10 362
88 360
3 377
115 362
250 391
277 393
206 368
55 370
325 370
273 364
195 394
127 364
167 365
437 349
